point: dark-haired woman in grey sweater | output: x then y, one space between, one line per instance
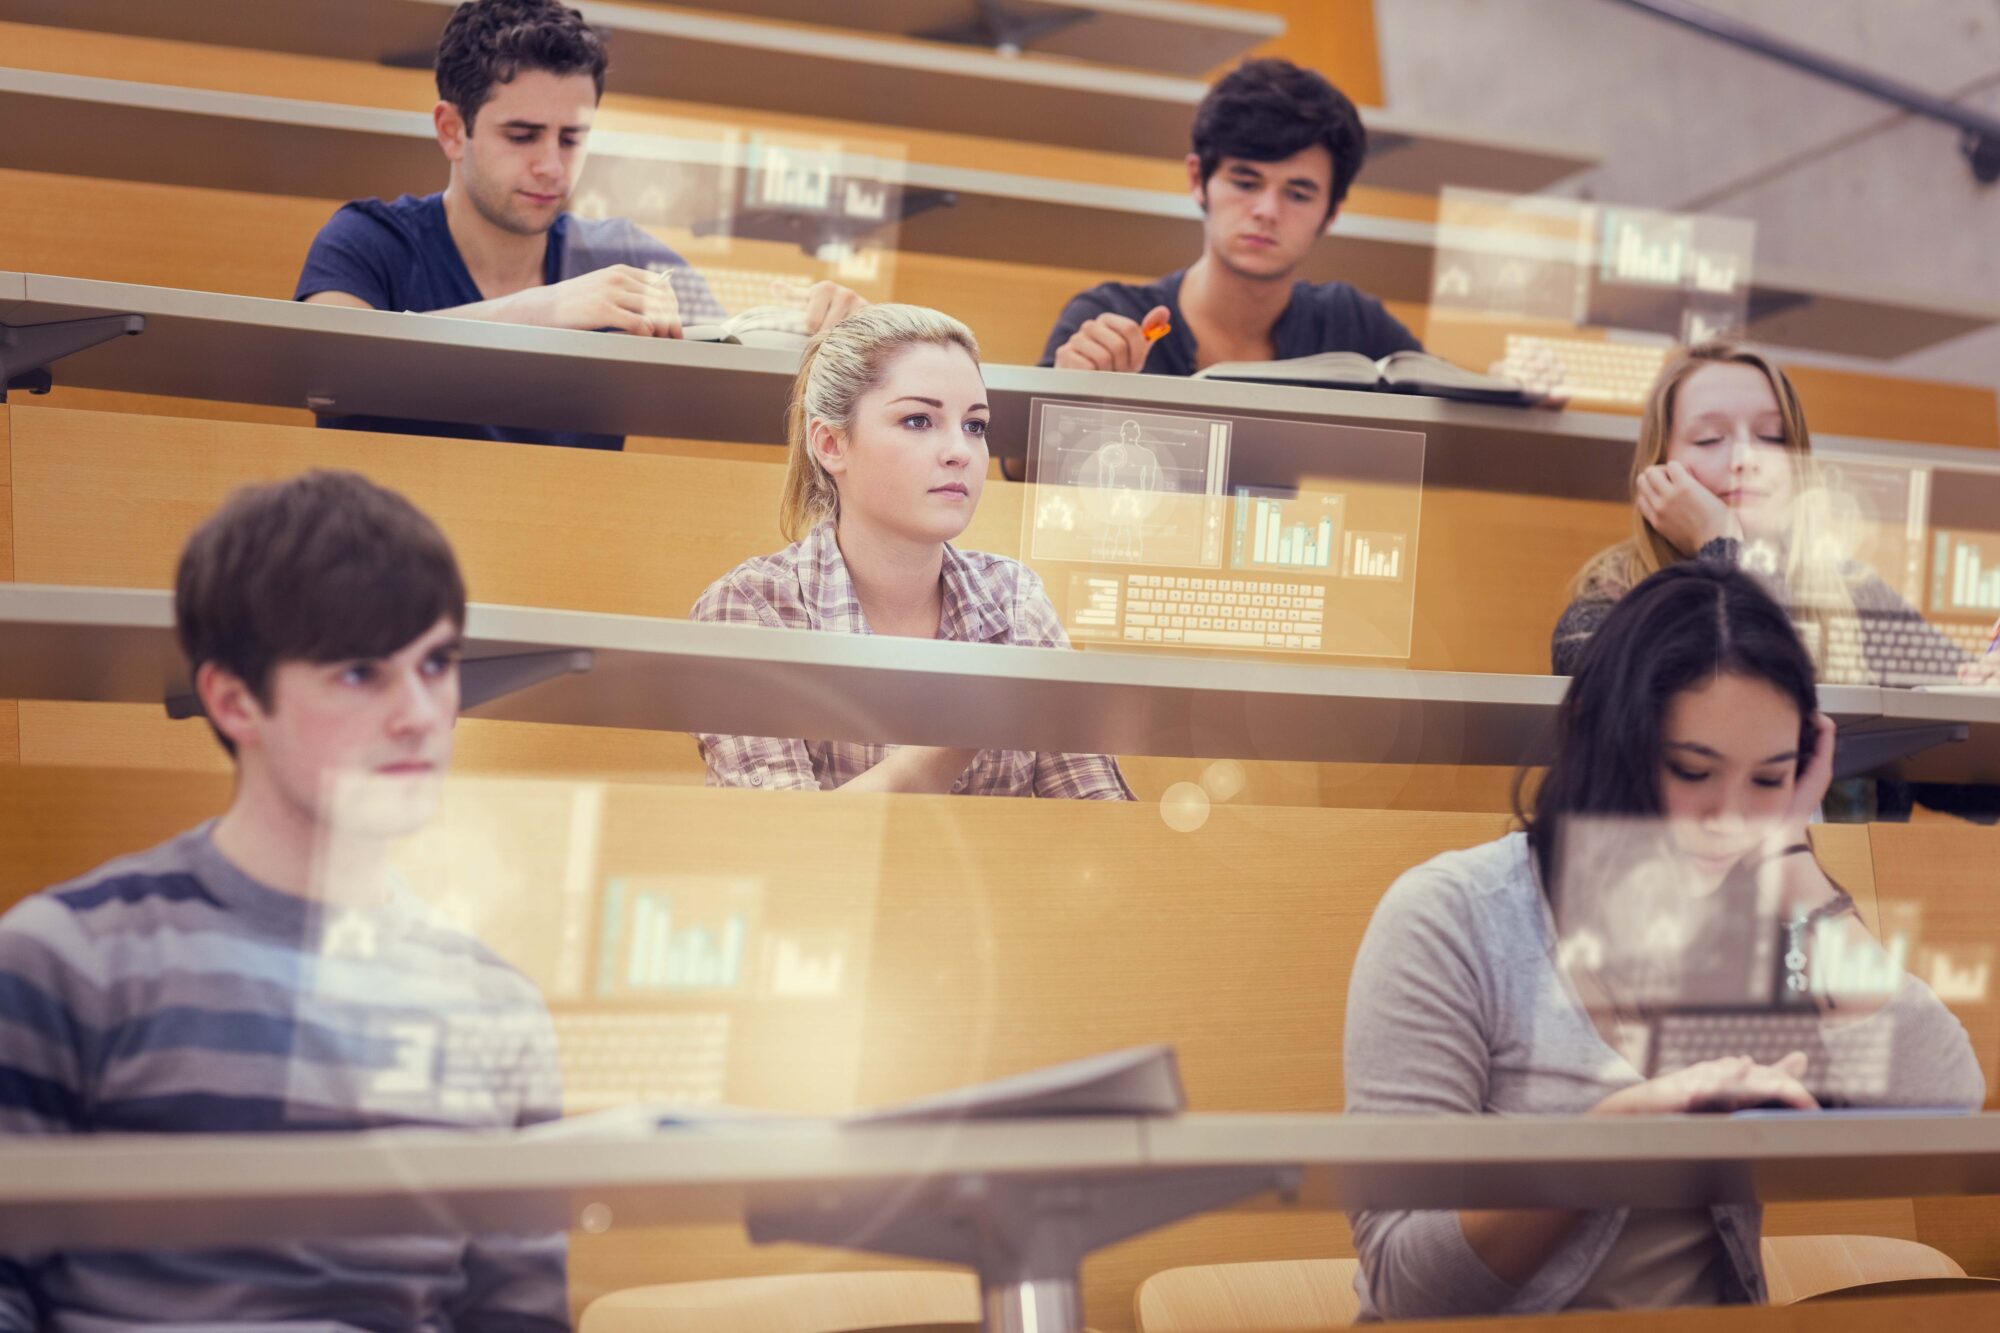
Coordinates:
1693 712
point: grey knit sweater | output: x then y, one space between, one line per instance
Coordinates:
1456 1007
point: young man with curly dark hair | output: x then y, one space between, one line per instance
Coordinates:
1275 148
518 86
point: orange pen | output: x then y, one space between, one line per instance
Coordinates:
1157 332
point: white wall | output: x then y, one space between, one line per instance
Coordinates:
1839 184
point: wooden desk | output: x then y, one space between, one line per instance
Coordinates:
117 646
1174 37
924 1186
381 363
985 925
727 62
79 125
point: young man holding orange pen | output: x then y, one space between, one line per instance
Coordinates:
1275 148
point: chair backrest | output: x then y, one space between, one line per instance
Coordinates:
800 1303
1797 1267
1286 1296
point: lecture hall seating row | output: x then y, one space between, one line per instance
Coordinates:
1233 942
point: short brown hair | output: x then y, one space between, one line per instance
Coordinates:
322 568
491 41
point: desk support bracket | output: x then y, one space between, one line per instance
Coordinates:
28 350
1008 33
481 680
1861 752
1026 1236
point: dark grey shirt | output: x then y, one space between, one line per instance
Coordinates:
1321 317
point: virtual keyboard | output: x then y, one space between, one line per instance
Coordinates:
1224 613
740 289
618 1057
1897 651
1600 371
1767 1036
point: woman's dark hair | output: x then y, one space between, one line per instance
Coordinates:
1682 627
491 41
1266 110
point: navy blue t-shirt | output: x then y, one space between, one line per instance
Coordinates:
399 255
1321 317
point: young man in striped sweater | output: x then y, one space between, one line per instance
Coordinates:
232 980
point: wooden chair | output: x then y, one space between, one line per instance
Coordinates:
1797 1268
1292 1296
905 1300
1284 1296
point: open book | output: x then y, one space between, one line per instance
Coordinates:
1398 372
780 326
1141 1080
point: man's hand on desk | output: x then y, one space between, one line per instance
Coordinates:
1735 1084
825 303
631 300
1984 671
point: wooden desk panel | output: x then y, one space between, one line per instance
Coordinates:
1952 871
10 718
108 498
644 535
6 494
359 83
578 529
159 234
1846 853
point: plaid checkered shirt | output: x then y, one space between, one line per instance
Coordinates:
987 599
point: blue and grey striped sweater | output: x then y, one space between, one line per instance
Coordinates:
170 993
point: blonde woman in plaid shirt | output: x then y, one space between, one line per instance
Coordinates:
888 459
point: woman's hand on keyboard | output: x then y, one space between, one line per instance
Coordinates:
1983 670
1682 510
1734 1084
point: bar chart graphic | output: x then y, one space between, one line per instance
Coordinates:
1715 273
807 969
791 177
1374 555
1646 247
1277 531
661 937
695 957
1965 572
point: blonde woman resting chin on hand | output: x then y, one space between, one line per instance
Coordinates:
888 458
1724 472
